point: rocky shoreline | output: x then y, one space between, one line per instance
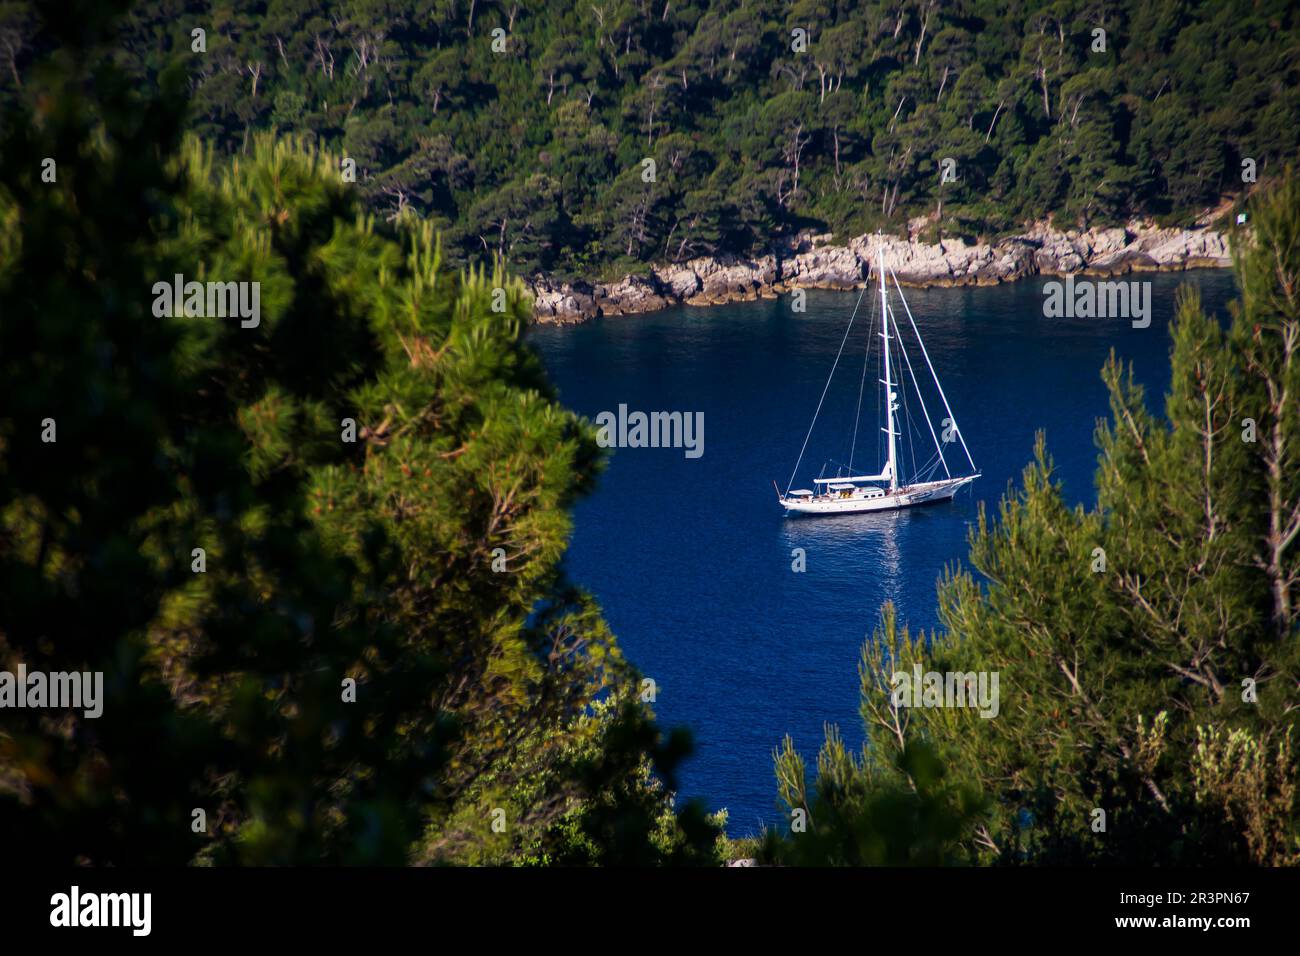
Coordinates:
813 262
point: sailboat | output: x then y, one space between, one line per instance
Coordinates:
931 481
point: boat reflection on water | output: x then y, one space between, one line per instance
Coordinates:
868 543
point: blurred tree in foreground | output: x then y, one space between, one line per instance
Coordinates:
1148 650
316 556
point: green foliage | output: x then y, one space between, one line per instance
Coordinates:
535 151
1149 649
327 560
858 819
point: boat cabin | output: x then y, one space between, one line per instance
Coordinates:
848 488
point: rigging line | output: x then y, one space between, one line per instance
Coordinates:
799 461
924 411
907 412
951 416
905 434
879 439
866 360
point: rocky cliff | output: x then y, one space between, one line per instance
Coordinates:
814 263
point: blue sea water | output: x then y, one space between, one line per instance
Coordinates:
691 558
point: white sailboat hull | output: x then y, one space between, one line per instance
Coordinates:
859 501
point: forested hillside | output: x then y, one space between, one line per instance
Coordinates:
521 129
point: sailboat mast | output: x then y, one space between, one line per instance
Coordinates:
889 387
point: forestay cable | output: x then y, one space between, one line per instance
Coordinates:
924 411
933 374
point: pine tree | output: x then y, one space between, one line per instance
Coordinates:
316 556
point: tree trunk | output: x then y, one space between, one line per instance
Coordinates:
901 101
1283 515
925 23
1001 103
